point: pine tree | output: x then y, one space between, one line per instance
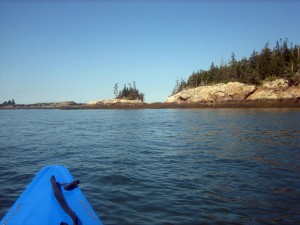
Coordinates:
116 92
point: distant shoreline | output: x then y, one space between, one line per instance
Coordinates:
271 94
160 105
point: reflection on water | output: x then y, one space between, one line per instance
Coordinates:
200 166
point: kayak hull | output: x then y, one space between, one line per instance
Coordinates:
38 206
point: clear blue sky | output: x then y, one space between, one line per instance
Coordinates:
77 50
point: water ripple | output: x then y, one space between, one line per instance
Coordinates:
205 166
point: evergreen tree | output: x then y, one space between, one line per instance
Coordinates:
286 53
116 92
264 62
179 86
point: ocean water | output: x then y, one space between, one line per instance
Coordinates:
167 166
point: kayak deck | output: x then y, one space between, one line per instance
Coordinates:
39 205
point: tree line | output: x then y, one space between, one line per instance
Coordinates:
129 92
283 61
8 103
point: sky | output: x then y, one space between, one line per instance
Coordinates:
52 51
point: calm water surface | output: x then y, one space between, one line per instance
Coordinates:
221 166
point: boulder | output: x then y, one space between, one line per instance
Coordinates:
94 102
278 84
269 94
118 101
275 90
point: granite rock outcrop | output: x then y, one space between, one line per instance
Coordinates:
276 90
232 91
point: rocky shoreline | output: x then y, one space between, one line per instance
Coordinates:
270 91
271 94
160 105
231 104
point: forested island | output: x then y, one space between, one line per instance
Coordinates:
269 64
269 78
129 92
9 103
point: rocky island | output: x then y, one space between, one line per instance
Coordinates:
269 78
269 93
